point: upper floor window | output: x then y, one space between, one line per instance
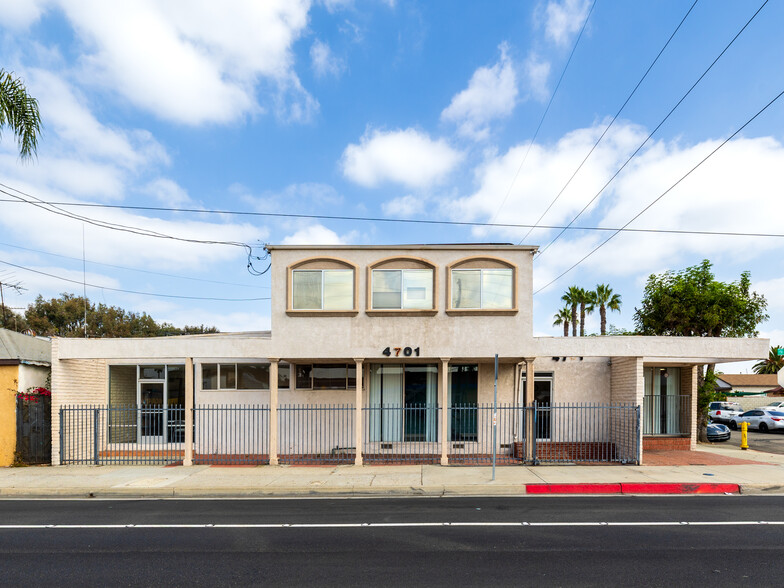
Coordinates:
322 289
402 289
483 288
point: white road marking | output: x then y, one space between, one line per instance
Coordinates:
400 525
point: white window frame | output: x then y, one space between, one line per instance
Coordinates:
323 271
482 288
402 287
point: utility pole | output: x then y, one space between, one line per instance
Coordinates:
17 287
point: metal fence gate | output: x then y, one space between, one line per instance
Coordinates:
474 434
34 430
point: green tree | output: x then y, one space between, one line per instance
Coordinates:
692 303
605 298
586 298
563 317
64 317
773 364
572 298
19 112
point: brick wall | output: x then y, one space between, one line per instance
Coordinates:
74 381
627 387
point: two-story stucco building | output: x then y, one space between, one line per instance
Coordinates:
378 354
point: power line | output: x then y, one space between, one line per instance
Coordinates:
133 269
39 203
131 291
396 220
544 114
543 249
663 194
614 118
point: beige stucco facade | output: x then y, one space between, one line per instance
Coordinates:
600 370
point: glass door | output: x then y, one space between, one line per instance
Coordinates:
151 411
543 395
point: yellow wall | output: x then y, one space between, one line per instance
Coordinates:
8 376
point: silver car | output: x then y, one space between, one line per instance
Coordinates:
763 420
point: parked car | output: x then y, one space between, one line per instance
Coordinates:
718 432
724 412
763 420
777 405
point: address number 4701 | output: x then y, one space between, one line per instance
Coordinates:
396 351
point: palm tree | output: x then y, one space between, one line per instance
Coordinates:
604 298
572 299
19 112
772 365
563 317
586 307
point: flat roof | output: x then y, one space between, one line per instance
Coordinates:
412 246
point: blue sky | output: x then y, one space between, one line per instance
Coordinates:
394 109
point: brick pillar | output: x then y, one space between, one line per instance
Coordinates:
443 393
273 407
358 415
187 459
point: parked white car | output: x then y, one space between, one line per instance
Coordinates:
777 405
724 412
763 420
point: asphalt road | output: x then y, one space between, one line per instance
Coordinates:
772 441
553 541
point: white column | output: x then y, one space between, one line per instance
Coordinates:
187 459
358 415
443 390
273 407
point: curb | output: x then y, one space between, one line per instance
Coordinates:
633 488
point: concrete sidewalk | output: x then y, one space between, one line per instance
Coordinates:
762 473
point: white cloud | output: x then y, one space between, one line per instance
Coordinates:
323 61
564 19
80 133
773 290
168 192
314 234
407 157
404 206
491 94
190 62
20 14
333 6
727 193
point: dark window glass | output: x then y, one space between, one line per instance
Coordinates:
152 372
227 377
304 373
209 376
284 375
464 388
329 376
252 376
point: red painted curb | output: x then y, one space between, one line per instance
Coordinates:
635 488
656 488
573 488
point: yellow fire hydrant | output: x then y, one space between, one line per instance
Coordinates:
744 435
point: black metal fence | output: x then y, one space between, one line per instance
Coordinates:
325 434
316 434
231 434
34 429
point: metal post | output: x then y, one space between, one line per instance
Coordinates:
273 414
187 458
96 418
62 436
495 414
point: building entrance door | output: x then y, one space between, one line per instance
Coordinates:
151 412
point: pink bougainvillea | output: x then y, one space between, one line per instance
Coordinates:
33 394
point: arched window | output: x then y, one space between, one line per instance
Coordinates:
400 285
482 284
322 285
